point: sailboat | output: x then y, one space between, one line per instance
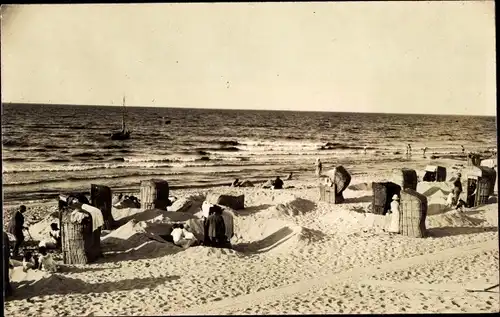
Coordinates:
124 134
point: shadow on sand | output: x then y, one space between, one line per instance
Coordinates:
455 231
66 268
114 250
57 284
363 199
153 213
268 243
252 210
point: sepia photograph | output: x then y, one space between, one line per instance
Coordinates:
249 158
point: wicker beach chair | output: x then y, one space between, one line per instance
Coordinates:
339 178
406 178
382 196
154 194
80 244
434 174
483 179
101 197
413 214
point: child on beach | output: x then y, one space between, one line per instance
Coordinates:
45 260
181 236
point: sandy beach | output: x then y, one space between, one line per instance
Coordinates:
291 254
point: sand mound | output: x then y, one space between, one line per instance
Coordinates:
436 200
129 236
201 252
361 186
189 204
429 188
308 236
41 230
452 218
155 215
119 213
296 207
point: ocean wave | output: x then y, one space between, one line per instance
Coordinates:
15 159
88 177
58 160
225 142
14 143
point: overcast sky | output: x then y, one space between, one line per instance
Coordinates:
407 57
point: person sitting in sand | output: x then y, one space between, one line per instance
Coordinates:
181 236
394 225
236 183
45 260
277 183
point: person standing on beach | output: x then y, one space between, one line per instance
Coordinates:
408 149
319 167
394 226
364 150
16 227
463 149
216 230
457 189
424 150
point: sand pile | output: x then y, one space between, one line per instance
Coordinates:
41 230
189 204
436 201
130 236
154 215
429 188
296 207
119 213
361 187
452 218
309 236
30 278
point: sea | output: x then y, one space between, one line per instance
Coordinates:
50 149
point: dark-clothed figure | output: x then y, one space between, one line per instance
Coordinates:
457 189
215 228
236 183
55 234
473 191
16 227
278 183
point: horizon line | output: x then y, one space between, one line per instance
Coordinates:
248 109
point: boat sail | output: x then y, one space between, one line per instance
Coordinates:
124 134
